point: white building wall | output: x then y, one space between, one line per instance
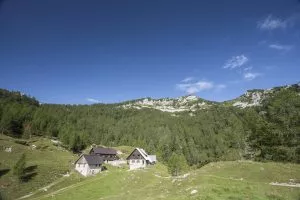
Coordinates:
82 168
117 162
87 170
137 163
92 169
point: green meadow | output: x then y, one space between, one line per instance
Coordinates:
220 180
45 164
217 180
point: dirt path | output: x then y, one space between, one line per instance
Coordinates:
118 195
80 184
285 184
42 189
67 188
272 183
159 176
57 191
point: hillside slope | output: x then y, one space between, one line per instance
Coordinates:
221 180
217 180
261 125
46 162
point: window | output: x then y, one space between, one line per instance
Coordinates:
138 161
132 161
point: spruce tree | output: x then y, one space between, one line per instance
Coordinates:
19 168
177 164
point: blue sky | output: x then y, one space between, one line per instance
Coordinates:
70 51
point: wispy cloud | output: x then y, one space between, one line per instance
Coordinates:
195 87
246 71
250 76
236 61
93 100
281 47
192 87
187 79
271 23
248 68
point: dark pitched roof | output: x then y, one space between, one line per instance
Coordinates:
141 151
93 159
102 150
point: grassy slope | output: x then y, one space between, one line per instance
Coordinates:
49 163
221 180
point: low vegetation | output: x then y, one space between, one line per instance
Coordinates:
219 180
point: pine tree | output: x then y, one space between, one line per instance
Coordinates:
177 164
19 168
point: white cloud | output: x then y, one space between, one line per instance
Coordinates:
236 61
195 87
250 76
187 79
92 100
248 68
281 47
271 23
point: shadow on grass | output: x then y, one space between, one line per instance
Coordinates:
27 177
29 173
30 169
3 172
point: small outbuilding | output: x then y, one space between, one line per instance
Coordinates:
89 164
140 159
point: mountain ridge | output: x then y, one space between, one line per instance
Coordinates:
191 103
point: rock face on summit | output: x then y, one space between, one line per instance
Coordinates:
193 103
181 104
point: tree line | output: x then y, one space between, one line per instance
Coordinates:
220 132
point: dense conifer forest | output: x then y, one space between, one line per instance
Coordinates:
270 131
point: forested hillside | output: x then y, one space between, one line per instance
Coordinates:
268 129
